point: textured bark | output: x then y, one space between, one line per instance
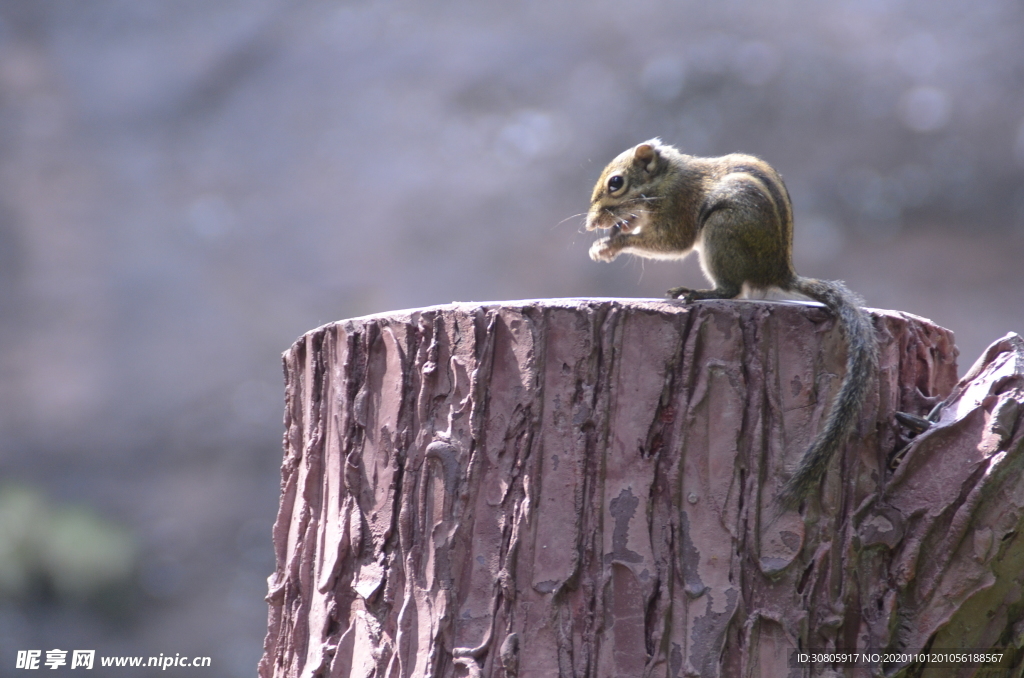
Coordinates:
584 488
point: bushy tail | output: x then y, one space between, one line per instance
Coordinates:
861 366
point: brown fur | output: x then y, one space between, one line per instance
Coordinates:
735 211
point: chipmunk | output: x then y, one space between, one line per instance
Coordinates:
736 213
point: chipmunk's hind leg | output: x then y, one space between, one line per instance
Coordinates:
720 292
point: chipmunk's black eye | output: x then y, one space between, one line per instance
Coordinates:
616 183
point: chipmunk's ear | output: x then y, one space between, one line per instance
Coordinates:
646 154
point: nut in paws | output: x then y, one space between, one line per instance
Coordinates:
602 250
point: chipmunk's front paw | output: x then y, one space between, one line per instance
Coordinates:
602 250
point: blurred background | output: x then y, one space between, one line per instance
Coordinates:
188 186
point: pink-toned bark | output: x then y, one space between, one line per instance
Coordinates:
585 488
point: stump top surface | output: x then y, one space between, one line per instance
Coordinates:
658 305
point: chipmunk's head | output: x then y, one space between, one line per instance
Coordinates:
622 197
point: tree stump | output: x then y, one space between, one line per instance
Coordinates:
585 488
